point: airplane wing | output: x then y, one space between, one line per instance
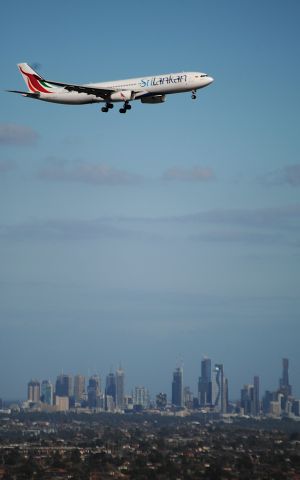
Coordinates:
98 92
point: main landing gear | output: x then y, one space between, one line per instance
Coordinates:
126 107
107 107
194 96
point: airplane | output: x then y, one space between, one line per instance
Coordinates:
146 89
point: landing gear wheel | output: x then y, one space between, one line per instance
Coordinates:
110 105
104 109
194 95
122 110
128 107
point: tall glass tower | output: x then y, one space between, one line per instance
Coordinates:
204 383
120 388
177 388
284 384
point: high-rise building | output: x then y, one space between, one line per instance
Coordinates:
247 399
120 388
47 392
64 385
256 407
79 388
188 398
141 397
284 385
110 390
250 398
204 383
33 391
93 391
177 388
219 394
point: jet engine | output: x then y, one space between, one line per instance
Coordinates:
122 95
154 99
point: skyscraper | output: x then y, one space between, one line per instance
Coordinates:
64 386
247 399
120 388
284 385
141 397
256 400
204 383
219 394
177 388
47 392
79 388
33 391
93 391
110 390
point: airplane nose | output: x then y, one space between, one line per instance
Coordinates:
209 80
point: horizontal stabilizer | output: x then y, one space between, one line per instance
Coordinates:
25 94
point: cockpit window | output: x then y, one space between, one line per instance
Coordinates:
204 75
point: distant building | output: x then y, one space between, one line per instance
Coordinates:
47 392
33 391
177 388
296 408
247 399
256 407
188 398
219 390
61 403
64 385
93 391
204 383
120 380
266 401
284 384
128 402
275 409
141 397
79 388
161 400
110 389
109 403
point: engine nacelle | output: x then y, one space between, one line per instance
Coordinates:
122 96
154 99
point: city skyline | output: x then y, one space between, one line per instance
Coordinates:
83 394
211 388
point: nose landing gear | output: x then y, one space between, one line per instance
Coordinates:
194 96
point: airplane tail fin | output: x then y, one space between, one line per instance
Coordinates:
35 83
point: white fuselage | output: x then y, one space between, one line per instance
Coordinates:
132 88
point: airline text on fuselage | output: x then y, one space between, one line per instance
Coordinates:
150 82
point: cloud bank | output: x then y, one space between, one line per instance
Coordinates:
194 174
288 175
89 173
17 135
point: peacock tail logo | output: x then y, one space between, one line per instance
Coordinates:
35 83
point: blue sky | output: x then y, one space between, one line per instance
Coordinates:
164 234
